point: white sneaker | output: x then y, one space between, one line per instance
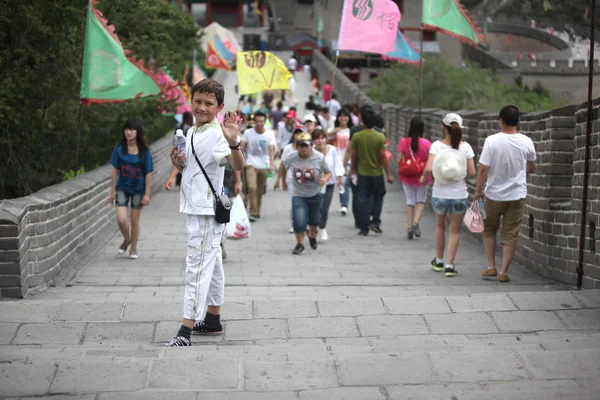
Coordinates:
344 210
324 236
291 230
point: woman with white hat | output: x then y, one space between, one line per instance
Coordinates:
450 161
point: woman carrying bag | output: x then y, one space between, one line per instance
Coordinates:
413 153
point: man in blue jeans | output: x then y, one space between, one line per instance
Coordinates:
310 173
369 161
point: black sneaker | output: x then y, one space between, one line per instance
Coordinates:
299 249
200 328
253 218
363 233
223 252
375 228
313 242
439 267
179 341
450 272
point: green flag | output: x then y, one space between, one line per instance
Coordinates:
451 18
109 75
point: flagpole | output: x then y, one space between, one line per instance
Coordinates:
337 54
79 118
381 78
421 71
586 157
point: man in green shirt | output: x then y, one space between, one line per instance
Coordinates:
369 161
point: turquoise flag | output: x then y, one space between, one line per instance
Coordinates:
451 18
403 51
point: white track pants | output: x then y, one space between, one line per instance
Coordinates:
204 277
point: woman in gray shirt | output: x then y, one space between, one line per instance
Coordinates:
309 173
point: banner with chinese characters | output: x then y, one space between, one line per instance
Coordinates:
261 70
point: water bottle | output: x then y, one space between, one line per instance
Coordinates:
481 205
179 140
269 173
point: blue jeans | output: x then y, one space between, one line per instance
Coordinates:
370 191
449 206
345 197
306 211
227 191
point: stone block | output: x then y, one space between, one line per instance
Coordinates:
255 329
448 391
152 311
589 298
527 321
284 308
119 333
343 393
563 364
385 369
237 310
392 325
350 307
25 380
88 311
7 332
100 376
322 327
416 305
273 376
467 366
69 333
27 312
475 322
544 300
588 319
221 374
491 302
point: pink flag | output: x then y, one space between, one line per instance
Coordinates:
369 26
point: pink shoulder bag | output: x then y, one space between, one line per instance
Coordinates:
473 219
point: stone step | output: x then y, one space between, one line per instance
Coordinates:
572 373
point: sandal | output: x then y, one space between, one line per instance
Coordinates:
416 230
123 247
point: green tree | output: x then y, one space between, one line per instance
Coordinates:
453 88
41 64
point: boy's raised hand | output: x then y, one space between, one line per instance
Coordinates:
231 127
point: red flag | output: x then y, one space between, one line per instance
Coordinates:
214 60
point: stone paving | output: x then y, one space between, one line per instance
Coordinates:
359 318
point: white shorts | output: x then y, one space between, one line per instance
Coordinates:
204 277
415 194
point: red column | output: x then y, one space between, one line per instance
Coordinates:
208 12
240 19
262 15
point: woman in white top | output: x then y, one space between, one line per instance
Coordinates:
340 137
334 162
450 194
288 149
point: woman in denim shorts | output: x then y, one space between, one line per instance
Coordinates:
454 163
130 183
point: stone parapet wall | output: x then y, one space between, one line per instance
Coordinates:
549 236
42 234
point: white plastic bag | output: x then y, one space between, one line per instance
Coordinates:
239 225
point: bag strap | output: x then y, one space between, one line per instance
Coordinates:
201 167
410 149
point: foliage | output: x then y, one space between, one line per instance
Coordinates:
41 64
453 88
70 174
560 12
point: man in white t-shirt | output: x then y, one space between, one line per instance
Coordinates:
506 159
292 64
285 130
259 145
334 105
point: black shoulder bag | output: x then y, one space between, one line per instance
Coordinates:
221 203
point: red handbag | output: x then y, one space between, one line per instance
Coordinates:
411 167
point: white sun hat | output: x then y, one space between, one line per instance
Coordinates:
449 167
453 117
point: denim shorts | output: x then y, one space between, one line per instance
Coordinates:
449 206
306 211
124 199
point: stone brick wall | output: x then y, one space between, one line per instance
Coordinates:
549 235
41 234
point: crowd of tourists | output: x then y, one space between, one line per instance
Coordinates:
332 148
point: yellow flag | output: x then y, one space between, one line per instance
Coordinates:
261 70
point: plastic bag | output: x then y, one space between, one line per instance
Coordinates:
239 224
